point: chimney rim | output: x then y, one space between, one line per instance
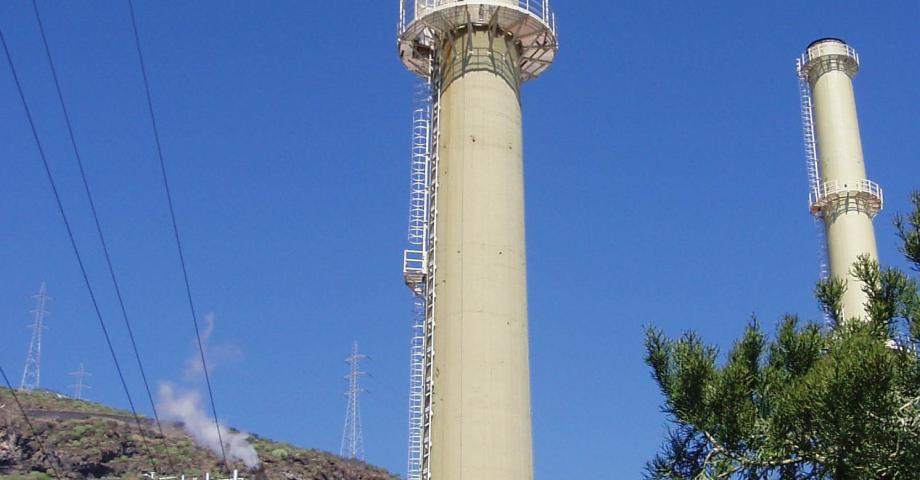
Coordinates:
824 40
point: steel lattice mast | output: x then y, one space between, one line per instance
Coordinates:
78 387
352 438
31 373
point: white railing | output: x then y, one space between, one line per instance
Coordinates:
830 191
850 52
410 10
806 58
415 265
207 476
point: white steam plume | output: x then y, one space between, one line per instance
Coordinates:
217 355
186 408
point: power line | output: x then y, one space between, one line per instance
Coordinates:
41 444
99 231
175 225
73 244
31 372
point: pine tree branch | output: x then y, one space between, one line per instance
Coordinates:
744 463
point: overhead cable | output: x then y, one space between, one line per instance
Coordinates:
73 244
41 443
175 226
105 248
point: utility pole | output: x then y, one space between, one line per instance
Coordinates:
78 387
352 438
31 373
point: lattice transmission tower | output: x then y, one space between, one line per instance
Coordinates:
81 385
31 373
352 438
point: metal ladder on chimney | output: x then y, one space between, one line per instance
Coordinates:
808 131
419 265
812 166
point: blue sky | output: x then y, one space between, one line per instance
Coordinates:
665 186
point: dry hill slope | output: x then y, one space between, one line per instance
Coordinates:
89 440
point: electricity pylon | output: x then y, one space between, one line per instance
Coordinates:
352 438
78 387
31 373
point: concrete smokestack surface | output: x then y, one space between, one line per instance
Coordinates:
844 198
481 373
478 414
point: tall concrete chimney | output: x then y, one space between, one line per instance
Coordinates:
470 393
841 194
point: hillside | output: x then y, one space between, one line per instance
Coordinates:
89 440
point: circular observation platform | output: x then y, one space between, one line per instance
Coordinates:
530 23
828 54
865 195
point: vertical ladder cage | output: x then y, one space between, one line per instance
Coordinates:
812 165
419 264
813 168
430 280
415 266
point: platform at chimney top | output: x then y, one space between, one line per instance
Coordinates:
825 55
530 22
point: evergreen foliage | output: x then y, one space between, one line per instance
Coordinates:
809 403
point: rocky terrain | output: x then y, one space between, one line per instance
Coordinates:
89 440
